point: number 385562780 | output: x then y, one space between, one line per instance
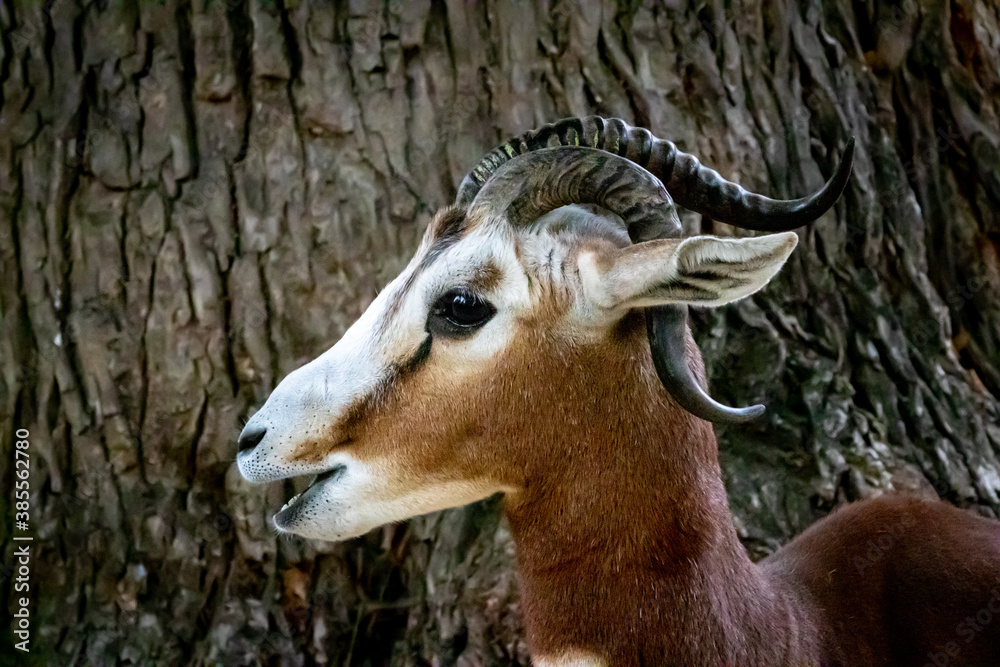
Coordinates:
22 470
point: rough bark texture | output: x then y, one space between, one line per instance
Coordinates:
197 197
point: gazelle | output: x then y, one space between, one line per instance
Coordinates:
537 345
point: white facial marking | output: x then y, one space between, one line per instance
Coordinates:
352 496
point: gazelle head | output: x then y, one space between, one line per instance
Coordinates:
431 399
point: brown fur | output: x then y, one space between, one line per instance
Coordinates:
626 546
625 543
486 278
449 222
899 580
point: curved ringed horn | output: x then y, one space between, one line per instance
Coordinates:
691 184
529 186
695 187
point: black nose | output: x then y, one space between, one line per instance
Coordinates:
250 437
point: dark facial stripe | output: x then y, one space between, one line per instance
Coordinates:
417 360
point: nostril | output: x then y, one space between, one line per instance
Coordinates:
249 438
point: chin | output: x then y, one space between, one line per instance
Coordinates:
316 529
312 532
318 518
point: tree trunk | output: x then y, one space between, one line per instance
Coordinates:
198 197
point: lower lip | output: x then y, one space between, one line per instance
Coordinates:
288 513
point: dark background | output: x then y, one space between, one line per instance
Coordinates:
196 198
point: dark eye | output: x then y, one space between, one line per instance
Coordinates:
459 312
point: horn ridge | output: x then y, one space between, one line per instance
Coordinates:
534 183
690 183
640 145
704 190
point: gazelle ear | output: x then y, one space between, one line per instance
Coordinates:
700 271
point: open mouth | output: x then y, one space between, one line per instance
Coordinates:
290 510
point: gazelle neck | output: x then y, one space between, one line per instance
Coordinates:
629 553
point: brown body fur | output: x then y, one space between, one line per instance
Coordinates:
625 542
626 546
899 580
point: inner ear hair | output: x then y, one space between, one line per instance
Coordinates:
702 270
721 270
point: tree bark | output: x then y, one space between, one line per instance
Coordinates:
198 197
